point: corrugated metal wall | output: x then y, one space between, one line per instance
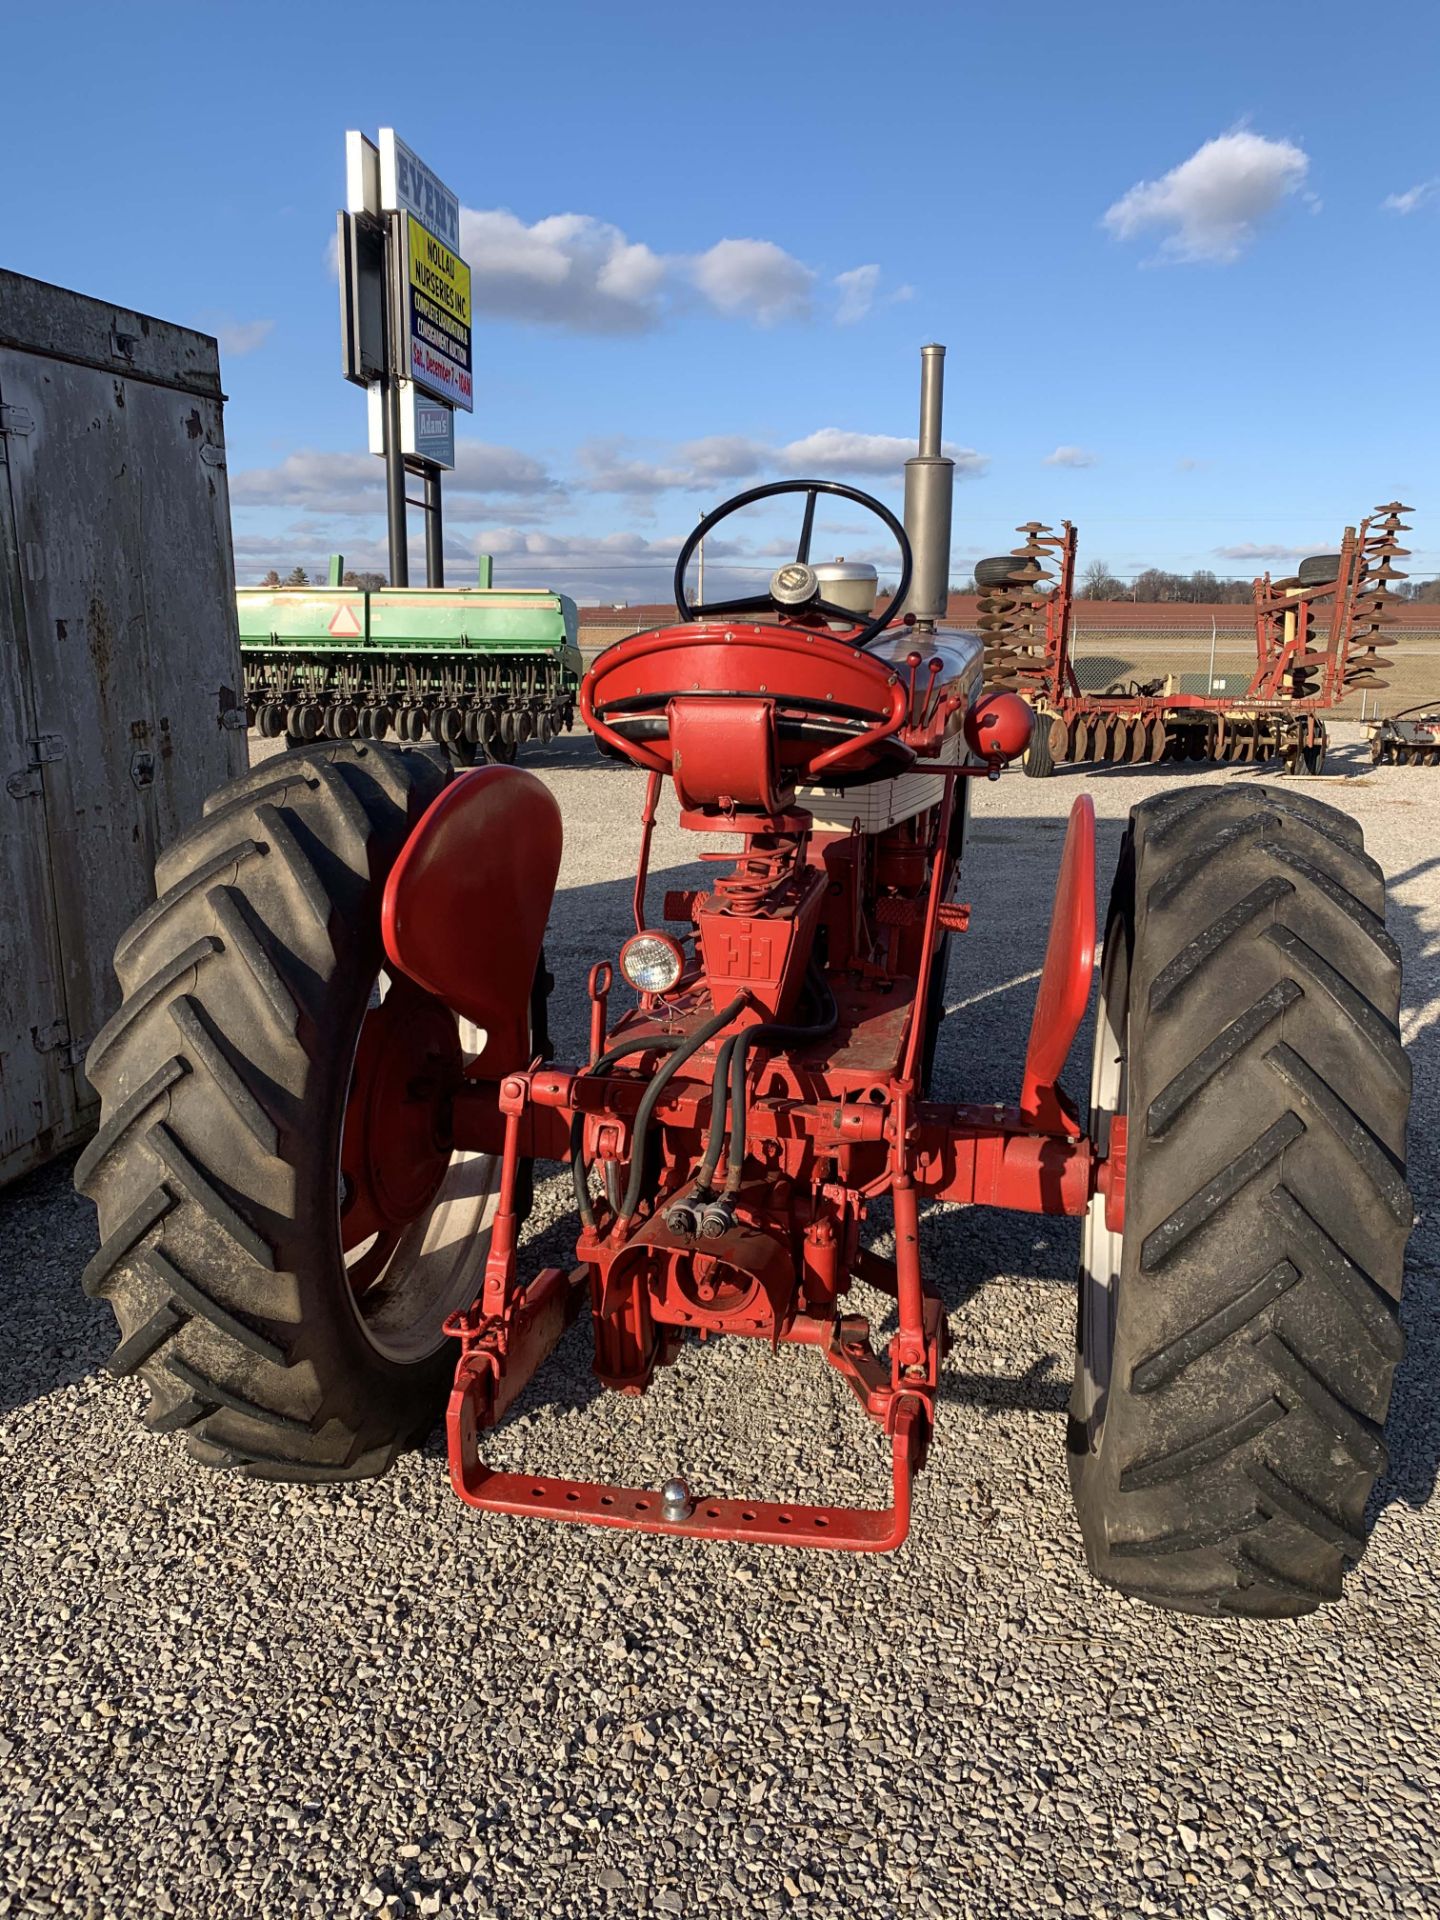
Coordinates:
120 703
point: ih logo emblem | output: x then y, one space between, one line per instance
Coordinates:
746 953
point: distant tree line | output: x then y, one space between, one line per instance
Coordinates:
1156 584
1201 587
298 577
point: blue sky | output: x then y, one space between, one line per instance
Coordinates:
1154 238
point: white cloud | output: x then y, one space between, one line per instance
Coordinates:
1071 457
609 465
607 567
306 544
568 270
857 294
724 456
755 279
1248 550
699 466
628 567
1412 199
353 483
317 482
482 468
625 567
832 449
586 275
237 337
1211 203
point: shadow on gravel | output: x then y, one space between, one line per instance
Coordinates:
1043 1387
1143 770
1413 1429
1348 758
570 752
53 1336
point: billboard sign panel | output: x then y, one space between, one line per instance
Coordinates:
427 427
408 186
362 174
434 432
360 249
436 307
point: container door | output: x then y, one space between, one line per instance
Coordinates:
128 599
39 1107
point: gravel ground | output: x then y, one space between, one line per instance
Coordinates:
221 1698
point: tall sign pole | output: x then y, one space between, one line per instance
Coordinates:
395 516
405 327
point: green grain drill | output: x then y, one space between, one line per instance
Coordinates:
480 669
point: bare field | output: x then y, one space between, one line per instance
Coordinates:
1413 667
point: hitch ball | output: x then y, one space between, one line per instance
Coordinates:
998 727
675 1501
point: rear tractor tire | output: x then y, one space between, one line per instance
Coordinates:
263 1100
1238 1331
1039 759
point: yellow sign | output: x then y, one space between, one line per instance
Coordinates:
442 276
439 316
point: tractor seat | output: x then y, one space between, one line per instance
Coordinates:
756 708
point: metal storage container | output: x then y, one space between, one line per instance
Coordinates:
120 702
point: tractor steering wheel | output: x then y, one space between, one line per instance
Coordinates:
794 587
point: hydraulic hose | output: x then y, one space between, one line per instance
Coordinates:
715 1143
683 1052
739 1059
579 1169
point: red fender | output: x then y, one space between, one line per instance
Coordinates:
466 903
1064 990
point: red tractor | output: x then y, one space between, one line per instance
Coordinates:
330 1076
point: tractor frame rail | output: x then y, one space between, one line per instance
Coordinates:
830 1122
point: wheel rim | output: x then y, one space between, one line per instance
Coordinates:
1100 1246
413 1216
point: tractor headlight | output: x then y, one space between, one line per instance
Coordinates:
651 962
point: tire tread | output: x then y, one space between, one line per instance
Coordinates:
1257 1328
206 1143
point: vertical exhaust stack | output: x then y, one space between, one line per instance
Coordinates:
929 486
